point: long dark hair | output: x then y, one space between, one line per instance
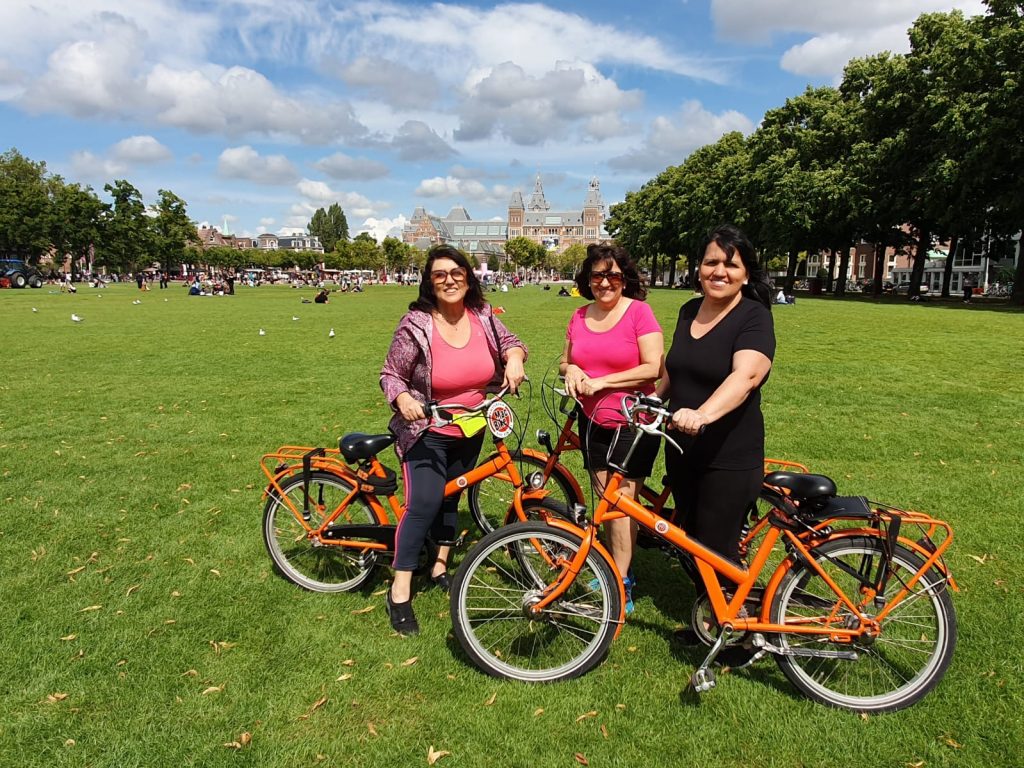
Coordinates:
427 300
633 285
732 241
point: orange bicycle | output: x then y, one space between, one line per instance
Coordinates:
331 514
856 613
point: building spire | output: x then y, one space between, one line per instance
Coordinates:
537 201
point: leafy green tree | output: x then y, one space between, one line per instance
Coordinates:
568 261
76 220
126 245
363 253
25 211
173 230
330 226
398 255
525 253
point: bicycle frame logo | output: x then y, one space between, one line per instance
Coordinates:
500 419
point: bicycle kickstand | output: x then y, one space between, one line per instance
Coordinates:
703 679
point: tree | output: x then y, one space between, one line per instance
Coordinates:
525 253
363 253
126 244
172 230
25 212
398 256
568 261
330 226
76 220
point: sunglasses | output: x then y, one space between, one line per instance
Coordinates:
613 278
458 274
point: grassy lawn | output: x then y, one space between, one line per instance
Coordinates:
141 623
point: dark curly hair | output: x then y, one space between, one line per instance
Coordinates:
633 286
427 299
732 241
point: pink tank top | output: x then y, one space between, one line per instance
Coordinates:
460 374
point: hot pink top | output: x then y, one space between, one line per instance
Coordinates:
460 374
600 353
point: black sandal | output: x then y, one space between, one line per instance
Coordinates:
403 620
441 580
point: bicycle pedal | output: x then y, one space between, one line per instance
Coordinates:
703 680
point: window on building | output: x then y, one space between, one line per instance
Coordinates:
972 259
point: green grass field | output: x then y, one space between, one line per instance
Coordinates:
141 623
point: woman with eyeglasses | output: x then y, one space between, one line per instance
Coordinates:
448 347
613 348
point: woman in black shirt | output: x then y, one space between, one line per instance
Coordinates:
720 356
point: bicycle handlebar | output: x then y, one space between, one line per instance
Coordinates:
441 417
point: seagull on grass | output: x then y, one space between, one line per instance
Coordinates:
75 318
262 332
295 317
331 334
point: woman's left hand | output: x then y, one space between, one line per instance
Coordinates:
514 373
590 386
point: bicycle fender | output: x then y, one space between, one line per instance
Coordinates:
564 473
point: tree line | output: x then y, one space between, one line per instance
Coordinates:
929 141
41 214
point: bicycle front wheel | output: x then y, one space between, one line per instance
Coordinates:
497 583
490 499
882 674
314 566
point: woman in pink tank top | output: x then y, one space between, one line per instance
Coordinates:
613 347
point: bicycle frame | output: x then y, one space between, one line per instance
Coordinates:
727 611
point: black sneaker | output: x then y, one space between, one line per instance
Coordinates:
403 620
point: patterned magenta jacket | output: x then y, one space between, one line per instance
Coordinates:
407 366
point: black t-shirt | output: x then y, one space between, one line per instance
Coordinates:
696 368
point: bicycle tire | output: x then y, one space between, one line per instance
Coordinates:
323 568
891 672
490 499
491 590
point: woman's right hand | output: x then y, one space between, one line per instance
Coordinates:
410 408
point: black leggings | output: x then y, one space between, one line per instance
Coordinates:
429 464
712 504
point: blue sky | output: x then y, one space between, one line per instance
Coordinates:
258 112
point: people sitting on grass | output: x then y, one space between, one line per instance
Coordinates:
322 297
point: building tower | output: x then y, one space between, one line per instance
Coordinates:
593 212
537 201
515 215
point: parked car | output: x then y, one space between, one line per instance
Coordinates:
19 274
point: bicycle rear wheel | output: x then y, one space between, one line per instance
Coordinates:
490 499
891 671
317 567
498 581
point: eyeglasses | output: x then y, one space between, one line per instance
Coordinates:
613 278
458 274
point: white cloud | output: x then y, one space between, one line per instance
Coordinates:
246 163
840 29
319 195
416 141
383 227
670 140
463 189
394 83
140 149
342 166
91 167
530 110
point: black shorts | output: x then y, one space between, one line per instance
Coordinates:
603 446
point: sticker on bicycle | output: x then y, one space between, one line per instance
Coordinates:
500 419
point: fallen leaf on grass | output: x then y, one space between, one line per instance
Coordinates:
190 561
215 572
491 700
53 698
620 707
918 764
66 638
38 553
410 662
346 676
581 759
434 755
604 730
71 574
243 741
380 592
372 729
348 663
91 608
949 741
585 715
69 743
131 589
316 705
367 609
213 689
538 711
981 560
189 673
